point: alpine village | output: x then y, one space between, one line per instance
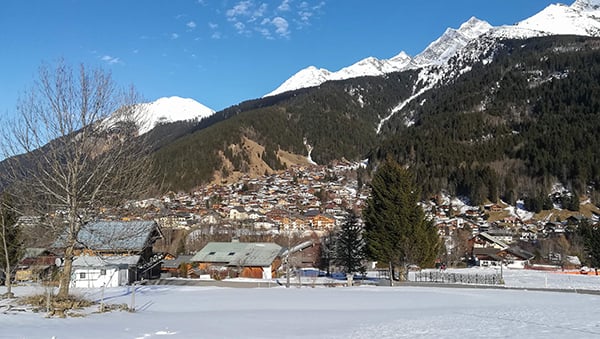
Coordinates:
481 151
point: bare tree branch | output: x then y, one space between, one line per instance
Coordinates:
75 148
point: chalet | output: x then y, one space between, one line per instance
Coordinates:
238 259
114 253
502 234
238 213
485 240
515 257
488 250
37 264
175 267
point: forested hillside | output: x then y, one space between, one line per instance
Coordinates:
510 128
506 129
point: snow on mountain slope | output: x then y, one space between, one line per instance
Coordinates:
172 109
372 67
312 76
442 49
581 18
308 77
163 110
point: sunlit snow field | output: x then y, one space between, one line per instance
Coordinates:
325 312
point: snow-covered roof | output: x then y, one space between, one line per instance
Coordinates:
99 261
238 253
130 236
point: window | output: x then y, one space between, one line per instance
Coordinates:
212 253
231 253
102 272
82 275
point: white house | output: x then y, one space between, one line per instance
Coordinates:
96 271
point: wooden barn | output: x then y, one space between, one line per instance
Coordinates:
238 259
114 253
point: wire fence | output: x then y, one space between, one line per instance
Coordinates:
456 278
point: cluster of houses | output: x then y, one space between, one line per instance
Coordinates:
501 242
117 253
298 199
310 200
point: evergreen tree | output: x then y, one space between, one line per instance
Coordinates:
590 237
327 252
396 230
350 246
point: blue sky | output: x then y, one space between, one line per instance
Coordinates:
222 52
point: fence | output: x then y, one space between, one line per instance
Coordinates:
456 278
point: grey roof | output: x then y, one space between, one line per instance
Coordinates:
238 253
96 261
174 263
115 235
521 253
493 239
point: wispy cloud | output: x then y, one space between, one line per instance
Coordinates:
284 6
247 16
110 59
174 36
191 25
281 26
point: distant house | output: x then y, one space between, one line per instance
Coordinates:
238 213
488 250
485 240
515 257
238 259
114 253
36 264
172 267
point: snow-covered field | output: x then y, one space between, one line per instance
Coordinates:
341 312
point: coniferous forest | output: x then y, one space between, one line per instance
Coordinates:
508 129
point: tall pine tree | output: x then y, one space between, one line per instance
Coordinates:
590 236
350 246
396 229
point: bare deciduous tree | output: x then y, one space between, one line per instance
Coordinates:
10 242
74 148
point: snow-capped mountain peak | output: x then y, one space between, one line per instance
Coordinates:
171 109
401 58
474 28
586 5
439 51
164 110
581 18
371 66
308 77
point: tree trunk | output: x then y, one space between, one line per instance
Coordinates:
8 269
391 274
65 276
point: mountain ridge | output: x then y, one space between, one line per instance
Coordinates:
580 18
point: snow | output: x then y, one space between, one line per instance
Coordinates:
313 76
164 110
340 312
172 109
446 46
581 18
519 211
